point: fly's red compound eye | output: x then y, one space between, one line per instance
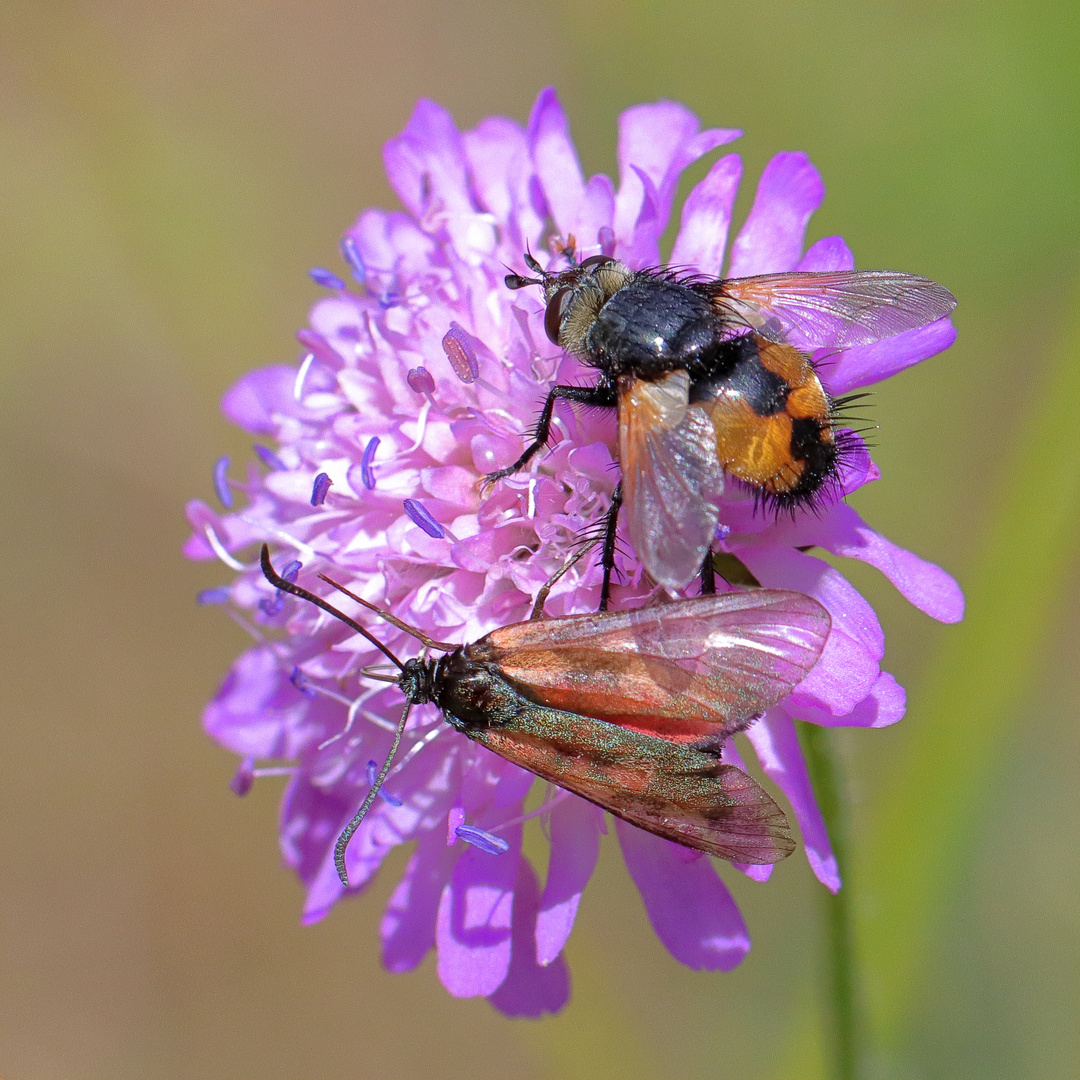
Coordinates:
595 260
554 314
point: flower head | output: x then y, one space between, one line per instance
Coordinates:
413 382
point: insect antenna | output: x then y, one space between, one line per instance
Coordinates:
365 806
279 582
393 620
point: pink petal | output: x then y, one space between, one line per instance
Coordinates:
688 905
258 712
706 218
575 847
530 988
311 820
494 149
868 364
770 242
258 399
829 253
408 924
843 532
848 668
884 705
660 139
473 927
777 746
556 160
425 164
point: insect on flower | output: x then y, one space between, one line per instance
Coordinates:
713 376
628 709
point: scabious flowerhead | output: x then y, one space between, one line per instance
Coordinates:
416 377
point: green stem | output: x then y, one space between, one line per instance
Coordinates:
845 1030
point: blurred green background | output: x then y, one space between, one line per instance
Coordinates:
168 172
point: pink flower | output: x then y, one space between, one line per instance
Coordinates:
414 381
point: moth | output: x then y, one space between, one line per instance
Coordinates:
628 709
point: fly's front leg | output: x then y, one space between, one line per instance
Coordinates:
607 557
602 395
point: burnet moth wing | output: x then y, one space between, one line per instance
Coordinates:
628 709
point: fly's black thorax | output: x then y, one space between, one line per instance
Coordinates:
653 326
471 693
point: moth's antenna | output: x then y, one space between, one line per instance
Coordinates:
350 829
279 582
393 620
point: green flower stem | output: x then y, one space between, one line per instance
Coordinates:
843 1034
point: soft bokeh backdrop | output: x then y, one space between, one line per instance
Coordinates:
168 173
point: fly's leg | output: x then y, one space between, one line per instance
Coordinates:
602 395
708 575
607 557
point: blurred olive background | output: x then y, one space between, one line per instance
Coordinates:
168 173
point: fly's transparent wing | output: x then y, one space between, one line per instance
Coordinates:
835 309
672 477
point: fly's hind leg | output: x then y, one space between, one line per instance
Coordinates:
607 557
708 575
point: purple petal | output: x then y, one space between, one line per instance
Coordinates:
530 988
777 747
474 919
869 364
706 218
575 847
848 668
771 240
257 400
688 905
426 162
843 532
884 705
829 253
257 712
556 160
659 140
597 211
408 924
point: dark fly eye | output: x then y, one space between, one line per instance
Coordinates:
595 260
554 314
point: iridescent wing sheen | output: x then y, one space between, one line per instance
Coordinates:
700 668
835 309
680 792
672 478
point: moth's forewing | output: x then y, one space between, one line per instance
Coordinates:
672 789
703 667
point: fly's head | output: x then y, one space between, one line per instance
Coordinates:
575 296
